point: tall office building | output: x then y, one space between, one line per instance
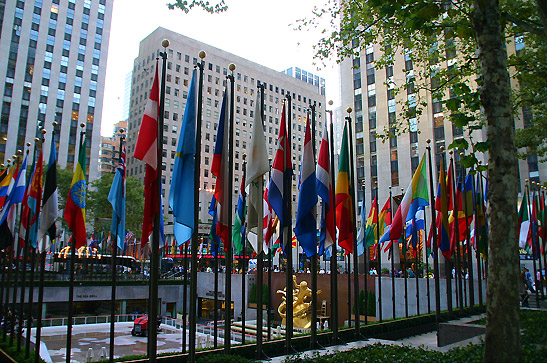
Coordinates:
382 163
182 56
53 69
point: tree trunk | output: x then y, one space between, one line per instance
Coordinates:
502 329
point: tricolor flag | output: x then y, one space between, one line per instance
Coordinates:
75 202
281 174
267 222
16 194
416 196
181 194
5 184
324 190
219 168
306 224
146 150
50 203
116 197
257 166
344 210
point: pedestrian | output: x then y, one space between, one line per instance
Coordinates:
523 288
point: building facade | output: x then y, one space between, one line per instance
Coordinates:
182 56
109 151
53 69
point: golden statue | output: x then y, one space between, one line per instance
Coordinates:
301 303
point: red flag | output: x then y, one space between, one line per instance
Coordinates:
146 150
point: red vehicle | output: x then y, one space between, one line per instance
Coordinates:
140 326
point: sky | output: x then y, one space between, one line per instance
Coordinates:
259 30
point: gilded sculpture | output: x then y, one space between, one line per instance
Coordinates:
301 302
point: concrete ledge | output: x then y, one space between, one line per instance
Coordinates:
450 333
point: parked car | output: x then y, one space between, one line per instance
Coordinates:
140 326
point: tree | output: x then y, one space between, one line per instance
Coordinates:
471 35
186 6
99 209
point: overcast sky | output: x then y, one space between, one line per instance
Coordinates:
259 30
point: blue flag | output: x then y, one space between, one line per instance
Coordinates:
181 195
17 193
116 197
215 239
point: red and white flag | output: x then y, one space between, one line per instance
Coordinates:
146 150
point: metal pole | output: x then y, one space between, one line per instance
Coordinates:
353 213
334 250
113 263
348 271
457 235
379 257
534 240
391 252
260 253
434 237
404 248
287 200
313 259
215 299
243 264
426 258
467 236
185 297
155 243
366 257
194 253
270 257
229 247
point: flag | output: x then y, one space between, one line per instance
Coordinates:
213 233
5 184
361 233
257 166
50 203
344 210
416 196
35 200
268 221
116 197
441 205
324 190
306 223
146 150
238 237
372 224
219 168
384 222
75 202
16 192
281 174
25 209
524 222
181 194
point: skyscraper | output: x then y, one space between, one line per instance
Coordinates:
182 56
53 69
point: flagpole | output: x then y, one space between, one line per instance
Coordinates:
25 258
404 248
426 258
539 283
113 263
71 281
184 297
155 243
243 262
260 247
467 236
334 250
354 219
365 247
457 235
215 291
287 230
417 259
448 263
3 264
230 189
434 237
33 259
478 195
194 253
534 249
379 257
542 275
17 254
43 254
313 259
270 257
391 252
10 262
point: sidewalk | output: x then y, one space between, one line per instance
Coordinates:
428 341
